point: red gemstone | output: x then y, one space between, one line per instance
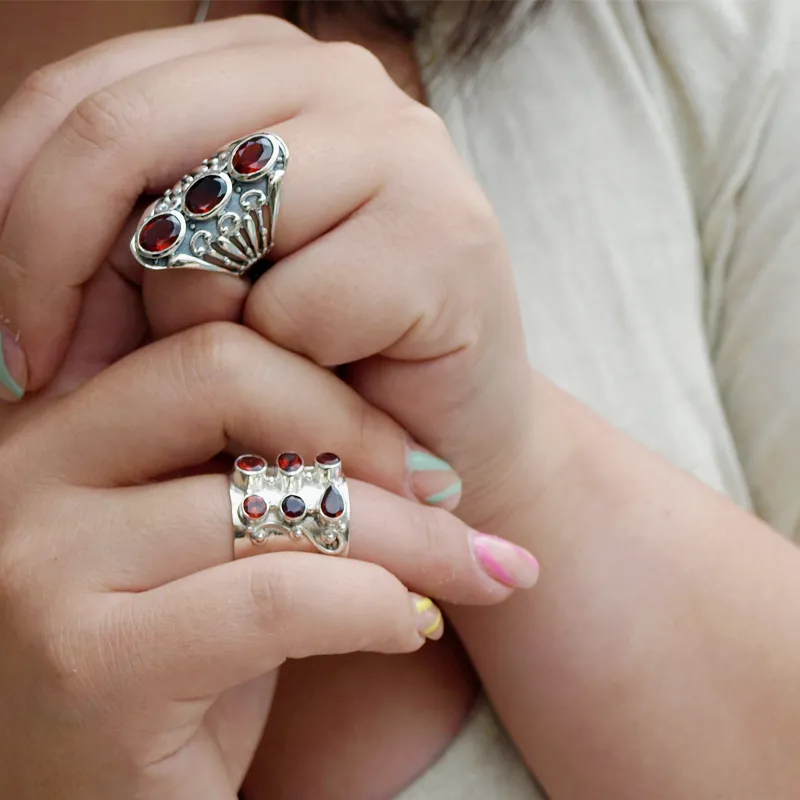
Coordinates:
255 507
290 462
252 155
250 463
328 459
332 503
205 194
293 506
160 233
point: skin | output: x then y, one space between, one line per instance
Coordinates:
659 655
401 709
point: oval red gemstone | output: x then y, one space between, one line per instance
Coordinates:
160 233
205 194
290 462
252 155
254 506
293 506
328 459
332 503
250 463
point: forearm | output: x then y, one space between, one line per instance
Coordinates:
660 654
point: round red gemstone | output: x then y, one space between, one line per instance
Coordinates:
293 506
205 194
290 462
252 155
328 459
255 507
250 463
332 503
160 233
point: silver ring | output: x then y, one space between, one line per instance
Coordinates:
221 217
289 506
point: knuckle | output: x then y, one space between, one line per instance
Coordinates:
416 117
269 26
206 352
354 57
107 119
50 83
275 313
269 597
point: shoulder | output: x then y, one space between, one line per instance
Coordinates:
718 70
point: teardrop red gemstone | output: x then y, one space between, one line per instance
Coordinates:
252 155
290 462
160 233
328 459
255 507
205 194
293 506
332 503
250 463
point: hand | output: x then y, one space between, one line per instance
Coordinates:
134 648
389 258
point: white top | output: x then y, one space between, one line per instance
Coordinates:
644 160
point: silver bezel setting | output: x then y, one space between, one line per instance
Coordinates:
238 232
217 208
314 530
173 247
254 176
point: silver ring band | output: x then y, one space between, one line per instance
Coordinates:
289 506
221 217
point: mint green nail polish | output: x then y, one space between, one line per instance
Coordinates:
8 343
450 491
419 461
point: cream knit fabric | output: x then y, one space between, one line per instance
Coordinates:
644 159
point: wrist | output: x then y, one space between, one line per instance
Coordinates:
553 433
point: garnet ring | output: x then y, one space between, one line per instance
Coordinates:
221 217
291 506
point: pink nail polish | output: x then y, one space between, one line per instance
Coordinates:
505 562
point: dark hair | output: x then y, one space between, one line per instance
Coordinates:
469 27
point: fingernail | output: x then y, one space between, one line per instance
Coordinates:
431 479
430 622
505 562
13 369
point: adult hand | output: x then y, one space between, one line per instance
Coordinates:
134 648
389 258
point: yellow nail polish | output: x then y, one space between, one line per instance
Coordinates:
430 623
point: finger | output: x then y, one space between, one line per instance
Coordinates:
216 629
382 282
45 98
350 162
159 533
111 149
111 324
216 384
196 770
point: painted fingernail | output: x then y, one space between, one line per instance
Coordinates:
431 479
505 562
13 369
430 622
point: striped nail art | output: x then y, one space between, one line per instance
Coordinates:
431 479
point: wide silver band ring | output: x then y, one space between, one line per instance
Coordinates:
289 506
220 217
